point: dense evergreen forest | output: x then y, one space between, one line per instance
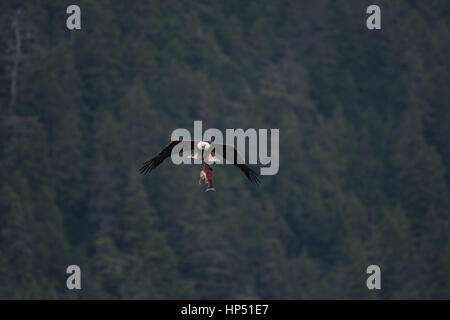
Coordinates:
364 149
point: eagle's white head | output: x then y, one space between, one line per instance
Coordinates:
202 145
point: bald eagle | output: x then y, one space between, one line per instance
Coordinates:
210 152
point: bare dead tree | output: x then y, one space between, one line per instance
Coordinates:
18 51
14 130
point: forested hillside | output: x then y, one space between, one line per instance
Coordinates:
364 149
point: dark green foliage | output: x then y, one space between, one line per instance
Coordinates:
364 150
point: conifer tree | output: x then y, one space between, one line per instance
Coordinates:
151 265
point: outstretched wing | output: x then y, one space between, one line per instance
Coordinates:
163 154
226 152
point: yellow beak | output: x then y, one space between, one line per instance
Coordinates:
203 146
